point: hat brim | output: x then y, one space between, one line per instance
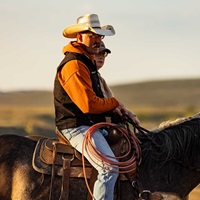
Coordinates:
72 31
104 49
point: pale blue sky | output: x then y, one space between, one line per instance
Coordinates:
155 39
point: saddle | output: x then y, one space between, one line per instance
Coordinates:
49 152
58 157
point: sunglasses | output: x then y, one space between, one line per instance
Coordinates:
102 53
93 35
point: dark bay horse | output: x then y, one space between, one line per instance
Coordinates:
170 164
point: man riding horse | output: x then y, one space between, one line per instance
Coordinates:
79 101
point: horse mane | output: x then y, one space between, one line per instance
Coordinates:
169 123
175 141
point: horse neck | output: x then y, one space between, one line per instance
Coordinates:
170 178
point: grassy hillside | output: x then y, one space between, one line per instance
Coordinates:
160 93
27 112
32 112
157 101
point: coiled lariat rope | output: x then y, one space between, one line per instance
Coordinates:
132 156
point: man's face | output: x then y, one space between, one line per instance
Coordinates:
100 59
91 41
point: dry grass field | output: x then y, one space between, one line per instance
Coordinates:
154 102
32 112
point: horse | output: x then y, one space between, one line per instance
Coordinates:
170 166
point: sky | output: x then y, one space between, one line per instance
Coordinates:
154 40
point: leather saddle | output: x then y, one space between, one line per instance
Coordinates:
57 157
49 152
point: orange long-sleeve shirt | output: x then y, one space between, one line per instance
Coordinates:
75 79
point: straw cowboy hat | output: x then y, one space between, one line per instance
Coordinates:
103 48
88 22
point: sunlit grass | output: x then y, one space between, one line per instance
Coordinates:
27 117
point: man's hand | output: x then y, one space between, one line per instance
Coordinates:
120 110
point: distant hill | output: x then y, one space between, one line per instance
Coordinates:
153 101
27 98
160 93
152 93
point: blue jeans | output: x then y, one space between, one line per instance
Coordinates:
105 183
